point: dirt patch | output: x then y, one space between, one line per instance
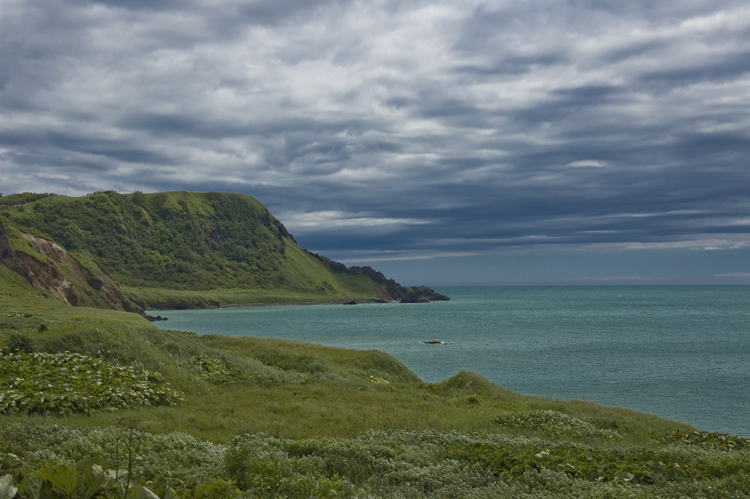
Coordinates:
65 278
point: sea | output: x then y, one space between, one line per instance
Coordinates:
679 352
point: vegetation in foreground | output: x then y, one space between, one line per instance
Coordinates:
217 417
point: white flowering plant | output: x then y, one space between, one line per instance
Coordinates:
67 383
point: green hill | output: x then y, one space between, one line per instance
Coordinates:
179 249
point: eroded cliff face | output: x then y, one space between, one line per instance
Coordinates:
63 276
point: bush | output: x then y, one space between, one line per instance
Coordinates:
169 461
555 423
66 383
217 489
216 371
19 342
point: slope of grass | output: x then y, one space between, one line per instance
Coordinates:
15 290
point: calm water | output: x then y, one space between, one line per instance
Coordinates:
679 352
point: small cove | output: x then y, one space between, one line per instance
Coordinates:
681 352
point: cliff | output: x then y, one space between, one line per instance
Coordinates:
189 247
391 289
46 265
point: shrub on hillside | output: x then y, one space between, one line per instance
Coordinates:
66 383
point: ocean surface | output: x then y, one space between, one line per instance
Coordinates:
680 352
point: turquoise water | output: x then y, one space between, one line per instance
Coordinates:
681 352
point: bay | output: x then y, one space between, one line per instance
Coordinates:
680 352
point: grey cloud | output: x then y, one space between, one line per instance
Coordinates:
587 95
161 5
117 150
511 65
728 67
729 146
634 50
182 125
273 12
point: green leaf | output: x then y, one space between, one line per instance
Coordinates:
62 477
7 490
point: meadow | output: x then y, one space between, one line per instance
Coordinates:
104 404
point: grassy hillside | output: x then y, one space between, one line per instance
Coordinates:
199 246
216 417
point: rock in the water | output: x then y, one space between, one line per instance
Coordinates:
422 294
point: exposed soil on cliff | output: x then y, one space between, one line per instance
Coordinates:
66 278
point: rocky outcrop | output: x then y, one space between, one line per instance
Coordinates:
66 278
157 318
422 294
390 290
63 276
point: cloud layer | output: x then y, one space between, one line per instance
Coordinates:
397 129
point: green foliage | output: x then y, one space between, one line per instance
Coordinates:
261 466
20 243
82 481
215 370
373 464
217 489
65 383
708 440
20 343
644 465
163 462
554 423
22 198
174 240
451 464
86 260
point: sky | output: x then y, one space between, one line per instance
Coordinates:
443 142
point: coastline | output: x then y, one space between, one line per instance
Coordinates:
155 299
278 304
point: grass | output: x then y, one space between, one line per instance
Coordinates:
280 418
315 284
169 299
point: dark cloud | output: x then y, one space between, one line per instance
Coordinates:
633 51
181 125
273 12
512 65
400 129
726 68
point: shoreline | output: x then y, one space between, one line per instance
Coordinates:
251 305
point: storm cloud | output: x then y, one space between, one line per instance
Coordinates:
397 131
